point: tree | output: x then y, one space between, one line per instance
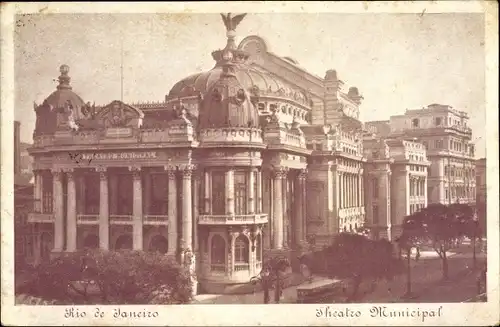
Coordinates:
112 277
441 231
468 224
411 238
272 275
356 257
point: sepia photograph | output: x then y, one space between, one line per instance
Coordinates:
300 157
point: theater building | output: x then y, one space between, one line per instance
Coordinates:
253 156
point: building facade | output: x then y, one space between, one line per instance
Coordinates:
444 132
396 181
252 157
482 186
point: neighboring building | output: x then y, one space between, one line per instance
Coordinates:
444 132
23 205
396 182
481 185
256 155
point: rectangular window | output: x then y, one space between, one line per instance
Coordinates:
240 192
218 193
47 193
375 188
159 194
92 194
375 214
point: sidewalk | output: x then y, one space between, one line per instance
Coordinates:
426 273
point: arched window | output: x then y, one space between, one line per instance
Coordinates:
218 250
124 242
241 249
415 122
91 241
158 244
258 247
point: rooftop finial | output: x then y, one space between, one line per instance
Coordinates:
64 79
231 23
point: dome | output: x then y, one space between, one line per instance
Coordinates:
61 107
249 77
64 95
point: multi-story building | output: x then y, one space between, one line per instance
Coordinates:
481 185
396 180
256 155
444 132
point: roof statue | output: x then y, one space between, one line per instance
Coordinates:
232 22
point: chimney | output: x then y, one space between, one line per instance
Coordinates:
17 147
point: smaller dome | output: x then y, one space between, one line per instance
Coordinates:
61 109
64 97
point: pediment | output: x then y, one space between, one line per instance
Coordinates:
118 114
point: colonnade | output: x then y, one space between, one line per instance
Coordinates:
351 185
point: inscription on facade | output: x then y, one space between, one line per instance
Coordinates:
119 155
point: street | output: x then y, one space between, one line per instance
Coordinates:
427 283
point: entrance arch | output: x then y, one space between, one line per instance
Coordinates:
91 241
158 243
123 242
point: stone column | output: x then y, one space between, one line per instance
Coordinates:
58 207
187 209
344 190
285 212
37 195
259 191
137 209
425 192
172 210
299 208
230 260
147 193
360 189
103 209
71 213
196 186
279 175
208 188
230 191
251 193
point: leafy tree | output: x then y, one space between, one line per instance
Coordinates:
356 257
272 276
468 224
411 238
112 277
441 231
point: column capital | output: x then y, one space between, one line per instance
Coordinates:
187 170
103 176
280 172
71 176
302 174
56 173
101 169
136 172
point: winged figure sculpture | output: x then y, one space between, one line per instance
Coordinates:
232 22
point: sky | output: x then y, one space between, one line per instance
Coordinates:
397 61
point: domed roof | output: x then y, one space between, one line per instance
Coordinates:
61 107
64 98
249 77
